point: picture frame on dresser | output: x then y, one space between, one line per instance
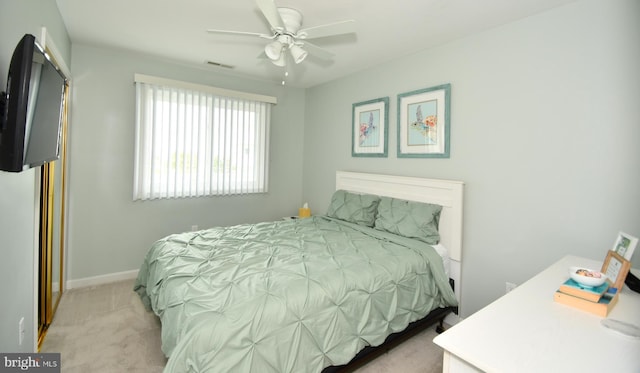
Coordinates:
370 128
616 268
625 245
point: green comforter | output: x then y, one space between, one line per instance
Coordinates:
286 296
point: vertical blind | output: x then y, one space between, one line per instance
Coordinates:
192 143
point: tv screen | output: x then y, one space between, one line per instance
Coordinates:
30 131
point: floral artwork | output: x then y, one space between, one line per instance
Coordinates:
370 129
423 131
369 126
423 123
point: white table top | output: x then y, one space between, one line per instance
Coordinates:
527 331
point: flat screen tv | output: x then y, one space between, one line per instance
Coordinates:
31 109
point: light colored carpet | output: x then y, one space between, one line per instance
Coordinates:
106 329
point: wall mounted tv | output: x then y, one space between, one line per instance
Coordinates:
31 109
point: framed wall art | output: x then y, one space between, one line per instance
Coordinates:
424 122
370 128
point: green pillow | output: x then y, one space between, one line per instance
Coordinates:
354 208
409 219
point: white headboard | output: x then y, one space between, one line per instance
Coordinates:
447 193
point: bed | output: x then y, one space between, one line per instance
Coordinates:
307 294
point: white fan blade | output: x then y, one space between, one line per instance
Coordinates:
270 12
338 28
241 33
317 51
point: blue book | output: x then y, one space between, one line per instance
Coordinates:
593 294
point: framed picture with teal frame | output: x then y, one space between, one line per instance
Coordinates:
424 123
370 128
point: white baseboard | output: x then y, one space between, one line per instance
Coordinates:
102 279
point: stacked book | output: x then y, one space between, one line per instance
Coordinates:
598 300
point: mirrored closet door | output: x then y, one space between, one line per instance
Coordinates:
52 231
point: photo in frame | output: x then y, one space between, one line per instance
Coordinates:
625 245
616 268
370 128
424 121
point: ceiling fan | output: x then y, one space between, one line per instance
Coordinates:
287 35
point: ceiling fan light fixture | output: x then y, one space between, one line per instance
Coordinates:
281 61
288 37
273 50
298 53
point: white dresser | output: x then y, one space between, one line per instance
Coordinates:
526 331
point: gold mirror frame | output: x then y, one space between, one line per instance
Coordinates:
52 230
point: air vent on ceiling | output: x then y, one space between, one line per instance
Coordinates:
218 64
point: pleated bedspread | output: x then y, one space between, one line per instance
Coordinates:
286 296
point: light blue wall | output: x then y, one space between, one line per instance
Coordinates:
544 132
110 233
18 191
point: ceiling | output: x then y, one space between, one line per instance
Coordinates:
385 30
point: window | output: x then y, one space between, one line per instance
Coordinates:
196 141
